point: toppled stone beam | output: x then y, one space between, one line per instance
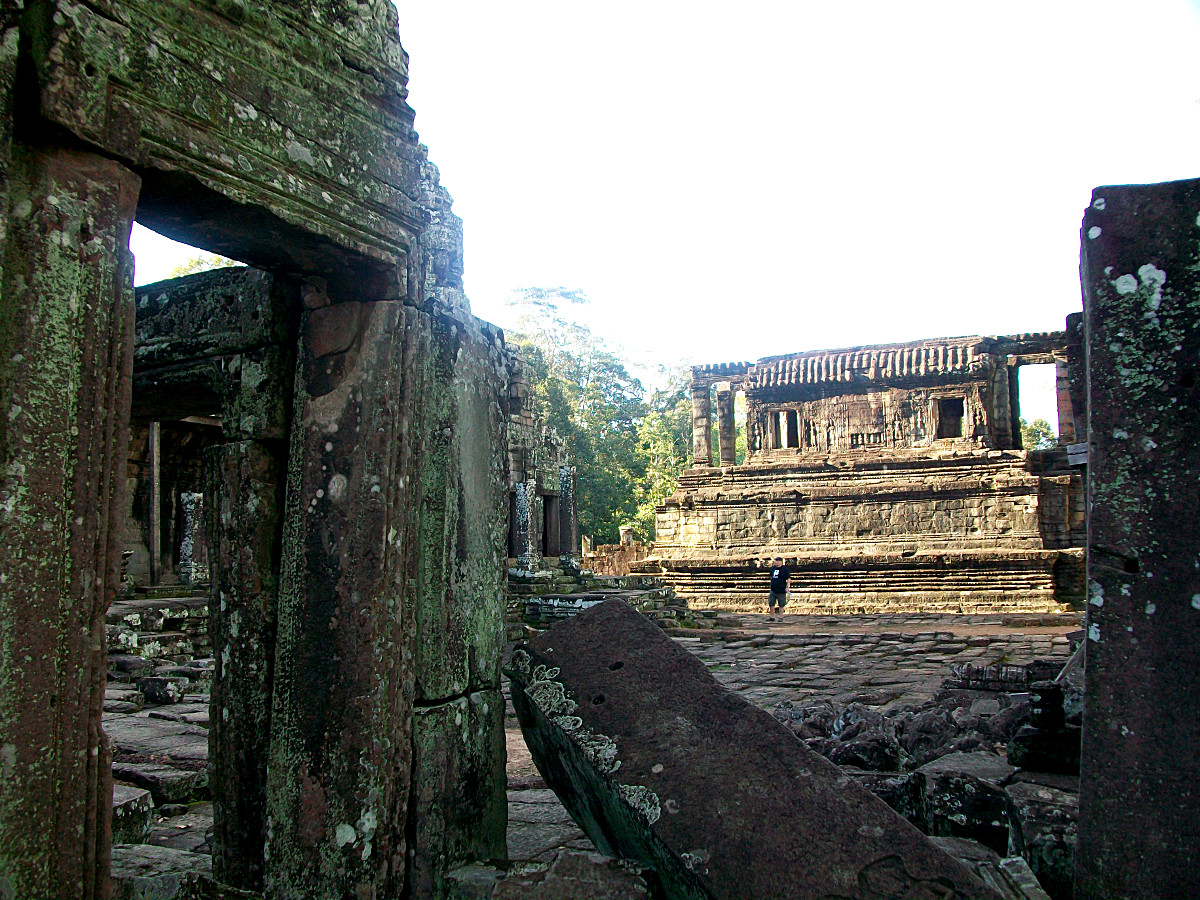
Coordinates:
1139 807
660 764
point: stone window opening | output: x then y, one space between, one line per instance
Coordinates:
550 530
792 429
950 413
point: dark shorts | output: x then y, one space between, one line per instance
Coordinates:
778 598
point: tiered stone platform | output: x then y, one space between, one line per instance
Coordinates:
952 531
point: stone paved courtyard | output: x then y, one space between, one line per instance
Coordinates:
879 661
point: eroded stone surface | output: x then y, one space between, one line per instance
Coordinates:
144 872
658 763
1141 309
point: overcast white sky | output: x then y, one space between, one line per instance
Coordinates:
732 181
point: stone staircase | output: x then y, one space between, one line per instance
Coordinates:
167 622
539 599
156 707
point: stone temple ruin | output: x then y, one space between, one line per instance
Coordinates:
337 404
343 453
890 478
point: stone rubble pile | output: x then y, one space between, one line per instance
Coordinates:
993 757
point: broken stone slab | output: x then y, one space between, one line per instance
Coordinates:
190 829
905 792
166 784
575 874
143 872
132 811
1010 877
184 711
1043 830
142 736
966 797
660 764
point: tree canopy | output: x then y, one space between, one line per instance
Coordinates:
628 444
1037 435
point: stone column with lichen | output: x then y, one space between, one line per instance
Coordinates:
1139 808
66 342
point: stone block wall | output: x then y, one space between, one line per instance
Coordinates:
615 559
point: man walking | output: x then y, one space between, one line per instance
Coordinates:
779 589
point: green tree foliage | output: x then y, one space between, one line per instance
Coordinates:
666 443
203 261
1037 435
627 444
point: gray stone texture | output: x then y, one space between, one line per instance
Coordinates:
658 763
145 872
1139 802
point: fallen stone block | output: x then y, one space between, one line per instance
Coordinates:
1010 877
197 886
162 690
124 694
132 811
966 797
128 664
904 792
1043 831
658 763
165 783
143 872
190 829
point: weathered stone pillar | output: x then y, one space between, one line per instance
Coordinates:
244 516
1139 805
701 418
66 336
341 729
524 524
1077 375
1066 418
568 516
726 430
458 725
154 537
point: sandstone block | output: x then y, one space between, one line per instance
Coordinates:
1043 832
658 763
145 872
132 809
166 784
966 797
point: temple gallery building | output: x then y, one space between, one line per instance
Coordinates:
890 478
